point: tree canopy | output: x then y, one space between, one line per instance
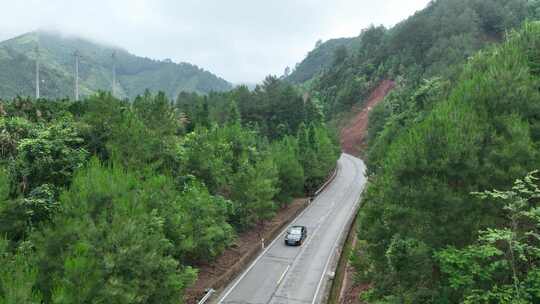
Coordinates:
425 238
110 201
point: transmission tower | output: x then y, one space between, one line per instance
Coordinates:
76 55
113 73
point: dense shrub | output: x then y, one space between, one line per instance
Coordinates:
430 155
168 187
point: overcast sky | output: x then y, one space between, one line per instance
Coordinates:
239 40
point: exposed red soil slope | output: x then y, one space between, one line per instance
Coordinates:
353 135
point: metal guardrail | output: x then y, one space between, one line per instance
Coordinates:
327 182
207 296
211 291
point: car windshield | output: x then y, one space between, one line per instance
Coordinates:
295 230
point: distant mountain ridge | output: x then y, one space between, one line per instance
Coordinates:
134 74
449 29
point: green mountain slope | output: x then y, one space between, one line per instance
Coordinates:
432 42
134 74
463 118
320 58
439 144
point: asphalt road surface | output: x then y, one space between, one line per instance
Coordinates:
284 274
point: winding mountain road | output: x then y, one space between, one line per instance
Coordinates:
294 275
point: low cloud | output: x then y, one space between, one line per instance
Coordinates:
240 40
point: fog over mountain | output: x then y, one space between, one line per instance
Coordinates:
134 74
240 40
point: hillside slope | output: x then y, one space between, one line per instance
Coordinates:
462 118
321 58
432 42
134 74
353 135
450 141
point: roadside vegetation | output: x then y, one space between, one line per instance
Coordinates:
119 201
463 119
111 201
419 219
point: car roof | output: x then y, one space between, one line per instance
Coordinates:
294 228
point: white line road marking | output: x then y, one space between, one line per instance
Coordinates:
331 198
334 247
264 251
304 246
256 260
283 274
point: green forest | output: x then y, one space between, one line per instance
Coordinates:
113 201
121 199
463 119
434 42
432 230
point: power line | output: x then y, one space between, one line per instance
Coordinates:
113 73
37 68
76 54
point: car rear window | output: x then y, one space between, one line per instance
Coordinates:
295 230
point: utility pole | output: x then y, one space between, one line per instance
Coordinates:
76 54
113 73
37 71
